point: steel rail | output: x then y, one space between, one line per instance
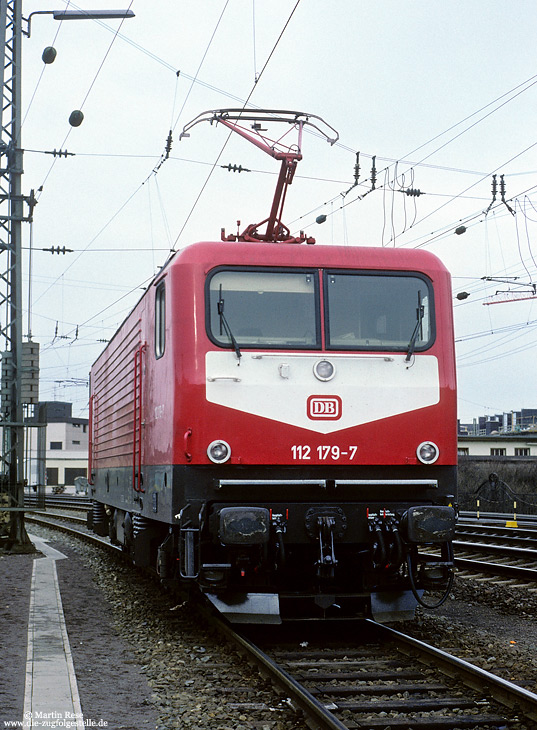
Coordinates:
56 516
67 502
502 690
93 539
319 717
517 533
502 569
506 550
505 570
494 517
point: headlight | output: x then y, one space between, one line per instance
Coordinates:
324 370
219 451
428 452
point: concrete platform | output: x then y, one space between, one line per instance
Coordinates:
51 692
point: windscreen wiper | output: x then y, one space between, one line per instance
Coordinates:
420 313
224 326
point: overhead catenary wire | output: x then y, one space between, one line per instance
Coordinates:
512 94
88 92
203 187
470 187
217 160
500 356
166 154
117 34
254 42
103 228
140 186
519 89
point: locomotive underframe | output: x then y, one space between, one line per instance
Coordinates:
264 541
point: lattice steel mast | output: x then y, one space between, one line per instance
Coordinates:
11 217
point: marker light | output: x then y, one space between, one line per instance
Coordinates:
427 452
219 451
324 370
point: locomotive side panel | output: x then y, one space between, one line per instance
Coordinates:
131 437
113 408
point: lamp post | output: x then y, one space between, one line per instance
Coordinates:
79 15
12 215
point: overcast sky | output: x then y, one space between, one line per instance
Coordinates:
443 94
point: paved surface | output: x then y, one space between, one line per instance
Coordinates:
112 679
51 691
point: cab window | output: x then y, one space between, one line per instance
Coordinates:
369 311
269 308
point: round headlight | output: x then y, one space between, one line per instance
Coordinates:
324 370
219 451
428 452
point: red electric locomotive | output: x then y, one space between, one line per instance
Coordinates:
275 424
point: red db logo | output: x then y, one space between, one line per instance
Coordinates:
324 407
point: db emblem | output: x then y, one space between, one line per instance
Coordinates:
324 407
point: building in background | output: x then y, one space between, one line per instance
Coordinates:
513 446
65 446
513 421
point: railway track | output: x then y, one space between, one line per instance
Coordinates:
496 550
73 525
58 501
383 680
379 679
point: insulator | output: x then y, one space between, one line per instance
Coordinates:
58 250
413 192
76 118
357 169
235 168
373 172
169 144
49 55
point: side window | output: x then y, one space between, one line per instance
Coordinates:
160 320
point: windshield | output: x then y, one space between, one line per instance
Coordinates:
377 312
264 308
363 310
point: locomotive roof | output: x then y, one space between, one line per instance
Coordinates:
211 253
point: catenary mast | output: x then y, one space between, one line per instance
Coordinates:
12 207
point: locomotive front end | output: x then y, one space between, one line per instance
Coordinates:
276 426
324 456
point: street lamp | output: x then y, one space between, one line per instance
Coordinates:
79 15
